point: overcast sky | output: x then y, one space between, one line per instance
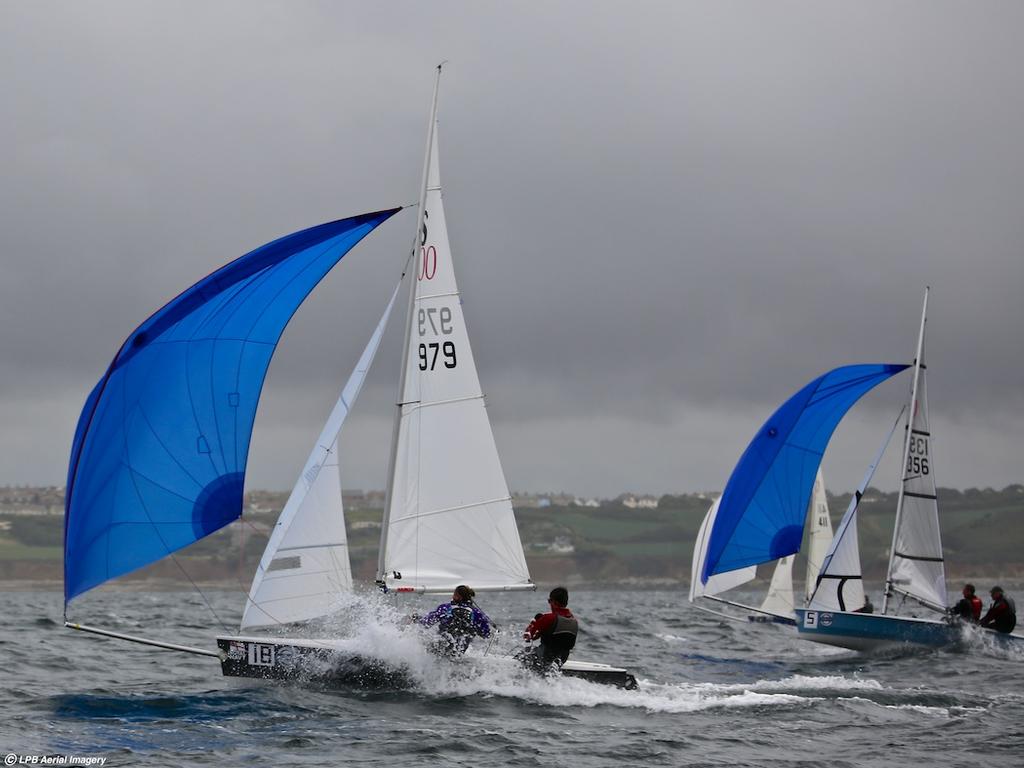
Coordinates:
666 218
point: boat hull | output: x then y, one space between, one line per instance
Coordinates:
277 658
600 673
873 632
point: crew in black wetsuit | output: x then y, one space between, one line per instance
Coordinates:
1002 614
556 630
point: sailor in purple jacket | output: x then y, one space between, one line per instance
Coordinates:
457 622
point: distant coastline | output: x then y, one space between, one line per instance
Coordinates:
634 539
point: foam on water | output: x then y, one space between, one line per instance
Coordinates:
671 638
708 694
374 627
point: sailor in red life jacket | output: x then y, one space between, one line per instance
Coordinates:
556 631
969 606
1002 614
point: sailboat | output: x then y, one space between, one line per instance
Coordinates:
774 490
781 598
448 516
448 513
916 567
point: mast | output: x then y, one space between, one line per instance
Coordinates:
412 262
911 410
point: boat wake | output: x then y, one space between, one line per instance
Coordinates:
372 627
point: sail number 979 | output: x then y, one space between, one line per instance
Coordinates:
435 320
429 354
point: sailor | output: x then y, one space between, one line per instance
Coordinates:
556 631
1002 614
458 622
968 608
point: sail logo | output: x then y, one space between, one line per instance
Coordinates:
428 254
428 265
261 655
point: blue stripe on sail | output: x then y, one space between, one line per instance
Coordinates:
158 458
764 505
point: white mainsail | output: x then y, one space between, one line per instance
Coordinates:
448 518
819 534
305 566
720 582
916 566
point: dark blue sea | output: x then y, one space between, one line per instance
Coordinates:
712 693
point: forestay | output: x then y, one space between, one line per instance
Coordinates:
305 566
763 508
449 516
159 455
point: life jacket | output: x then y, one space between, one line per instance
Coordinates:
976 606
969 608
1008 620
1002 616
560 639
459 621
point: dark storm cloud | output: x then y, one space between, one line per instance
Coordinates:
666 218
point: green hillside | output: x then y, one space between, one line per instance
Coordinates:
982 536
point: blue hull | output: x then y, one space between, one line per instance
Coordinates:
871 632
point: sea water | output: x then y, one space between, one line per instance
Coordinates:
712 692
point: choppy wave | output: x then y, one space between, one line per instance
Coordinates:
709 693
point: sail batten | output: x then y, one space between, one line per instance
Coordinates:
159 456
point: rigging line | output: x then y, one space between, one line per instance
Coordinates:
201 593
241 584
156 530
259 606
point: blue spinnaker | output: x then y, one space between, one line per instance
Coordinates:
158 459
764 505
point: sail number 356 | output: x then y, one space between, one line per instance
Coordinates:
917 458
